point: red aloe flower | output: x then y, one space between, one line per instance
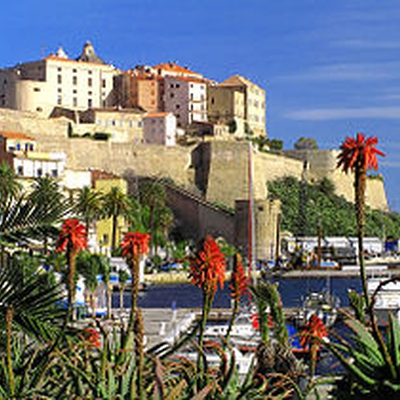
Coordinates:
314 331
92 337
360 151
239 280
73 235
72 239
207 268
135 244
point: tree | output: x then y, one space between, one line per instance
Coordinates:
9 185
49 201
88 206
232 125
72 240
115 204
275 144
305 143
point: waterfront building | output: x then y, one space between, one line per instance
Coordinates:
57 80
160 128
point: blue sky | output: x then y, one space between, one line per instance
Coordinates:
330 68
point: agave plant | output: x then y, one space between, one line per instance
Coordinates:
370 372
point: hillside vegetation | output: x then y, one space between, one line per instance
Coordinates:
320 203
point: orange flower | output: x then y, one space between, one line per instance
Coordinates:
73 233
92 337
207 268
135 244
314 331
359 152
239 280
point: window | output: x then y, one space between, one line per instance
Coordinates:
39 172
31 147
90 93
172 85
104 103
104 83
177 85
54 173
139 124
59 79
90 103
18 146
74 91
90 72
90 82
105 239
212 100
177 106
171 95
40 109
59 90
113 123
75 102
74 70
59 69
74 80
59 100
20 170
26 146
36 89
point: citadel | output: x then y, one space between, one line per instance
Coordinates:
68 117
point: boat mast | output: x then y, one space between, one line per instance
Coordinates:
250 217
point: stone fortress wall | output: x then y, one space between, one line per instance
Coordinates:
220 167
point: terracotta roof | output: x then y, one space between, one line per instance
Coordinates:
157 114
237 80
15 135
173 67
187 79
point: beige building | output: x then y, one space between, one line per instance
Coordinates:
227 105
254 103
57 80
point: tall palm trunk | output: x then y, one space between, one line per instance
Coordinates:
114 233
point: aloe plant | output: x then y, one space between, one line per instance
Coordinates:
370 373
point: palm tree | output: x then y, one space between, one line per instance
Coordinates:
9 185
72 239
358 155
88 206
115 204
47 197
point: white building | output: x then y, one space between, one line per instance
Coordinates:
160 128
186 98
57 80
19 151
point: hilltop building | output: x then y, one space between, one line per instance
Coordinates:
57 80
237 99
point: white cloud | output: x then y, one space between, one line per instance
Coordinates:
324 114
350 72
367 44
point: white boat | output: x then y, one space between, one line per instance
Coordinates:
387 299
